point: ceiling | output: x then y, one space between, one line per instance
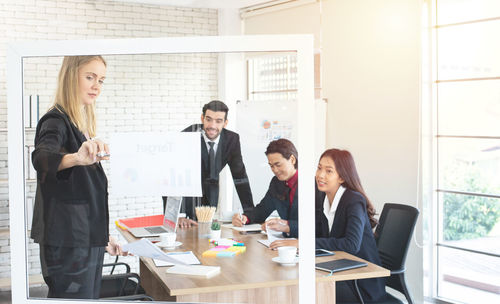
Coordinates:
236 4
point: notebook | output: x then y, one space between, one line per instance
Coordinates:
340 265
244 228
169 224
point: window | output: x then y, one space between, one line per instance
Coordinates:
272 77
466 100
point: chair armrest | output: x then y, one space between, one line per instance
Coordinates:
398 271
117 264
122 275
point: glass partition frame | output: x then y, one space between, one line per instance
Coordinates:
301 44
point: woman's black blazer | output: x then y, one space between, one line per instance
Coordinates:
71 206
351 232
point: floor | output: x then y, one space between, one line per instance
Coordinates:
36 292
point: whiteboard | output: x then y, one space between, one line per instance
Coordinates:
260 122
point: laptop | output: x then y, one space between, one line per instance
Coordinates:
170 219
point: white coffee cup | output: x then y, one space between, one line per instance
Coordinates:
287 254
168 239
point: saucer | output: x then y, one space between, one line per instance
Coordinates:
162 245
277 260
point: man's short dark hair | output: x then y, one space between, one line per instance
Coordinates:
285 148
216 106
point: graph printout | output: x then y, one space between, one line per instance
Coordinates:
155 164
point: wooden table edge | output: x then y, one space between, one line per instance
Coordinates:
211 289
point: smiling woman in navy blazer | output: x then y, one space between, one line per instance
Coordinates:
345 218
344 221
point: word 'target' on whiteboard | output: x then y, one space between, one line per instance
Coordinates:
156 163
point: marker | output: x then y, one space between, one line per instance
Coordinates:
102 154
120 226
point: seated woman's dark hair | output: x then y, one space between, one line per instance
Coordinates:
346 169
283 147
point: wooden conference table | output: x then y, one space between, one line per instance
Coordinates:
251 277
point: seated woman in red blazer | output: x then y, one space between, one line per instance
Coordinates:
344 220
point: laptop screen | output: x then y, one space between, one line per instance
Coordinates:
172 210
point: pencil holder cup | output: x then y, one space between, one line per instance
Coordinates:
204 230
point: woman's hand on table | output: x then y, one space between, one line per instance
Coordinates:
277 225
186 223
280 243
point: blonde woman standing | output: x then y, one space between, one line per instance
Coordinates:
70 220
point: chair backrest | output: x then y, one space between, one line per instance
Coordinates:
393 234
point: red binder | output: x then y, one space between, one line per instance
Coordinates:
142 221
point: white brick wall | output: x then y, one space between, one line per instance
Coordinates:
141 92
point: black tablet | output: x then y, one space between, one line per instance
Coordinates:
323 252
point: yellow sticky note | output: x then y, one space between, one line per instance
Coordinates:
209 253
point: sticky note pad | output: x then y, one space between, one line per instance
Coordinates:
237 249
226 254
209 253
218 249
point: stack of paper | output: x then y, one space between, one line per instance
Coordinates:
186 257
195 270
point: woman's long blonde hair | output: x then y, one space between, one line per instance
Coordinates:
67 94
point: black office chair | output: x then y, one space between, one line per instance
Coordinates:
122 286
393 236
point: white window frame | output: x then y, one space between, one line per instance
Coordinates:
431 189
302 44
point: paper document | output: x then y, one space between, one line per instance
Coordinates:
187 257
273 235
251 227
145 248
195 270
267 243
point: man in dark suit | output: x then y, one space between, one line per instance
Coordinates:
219 147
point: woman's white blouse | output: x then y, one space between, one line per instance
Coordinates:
328 210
